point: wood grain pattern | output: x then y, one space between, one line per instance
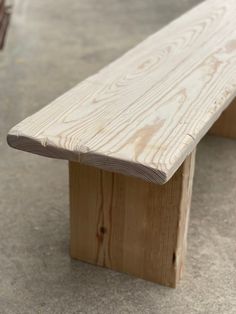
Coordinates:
128 224
226 124
145 112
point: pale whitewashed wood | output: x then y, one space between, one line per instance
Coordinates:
145 112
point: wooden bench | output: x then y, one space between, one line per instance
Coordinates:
130 133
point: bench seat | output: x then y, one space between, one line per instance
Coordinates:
145 112
134 126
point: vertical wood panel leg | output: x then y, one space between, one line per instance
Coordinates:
131 225
226 124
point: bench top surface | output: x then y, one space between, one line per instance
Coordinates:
145 112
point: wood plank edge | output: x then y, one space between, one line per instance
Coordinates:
125 167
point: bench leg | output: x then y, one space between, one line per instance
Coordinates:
226 124
130 225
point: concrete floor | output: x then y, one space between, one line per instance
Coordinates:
51 46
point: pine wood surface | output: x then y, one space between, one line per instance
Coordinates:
145 112
128 224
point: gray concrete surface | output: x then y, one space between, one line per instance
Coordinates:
51 46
